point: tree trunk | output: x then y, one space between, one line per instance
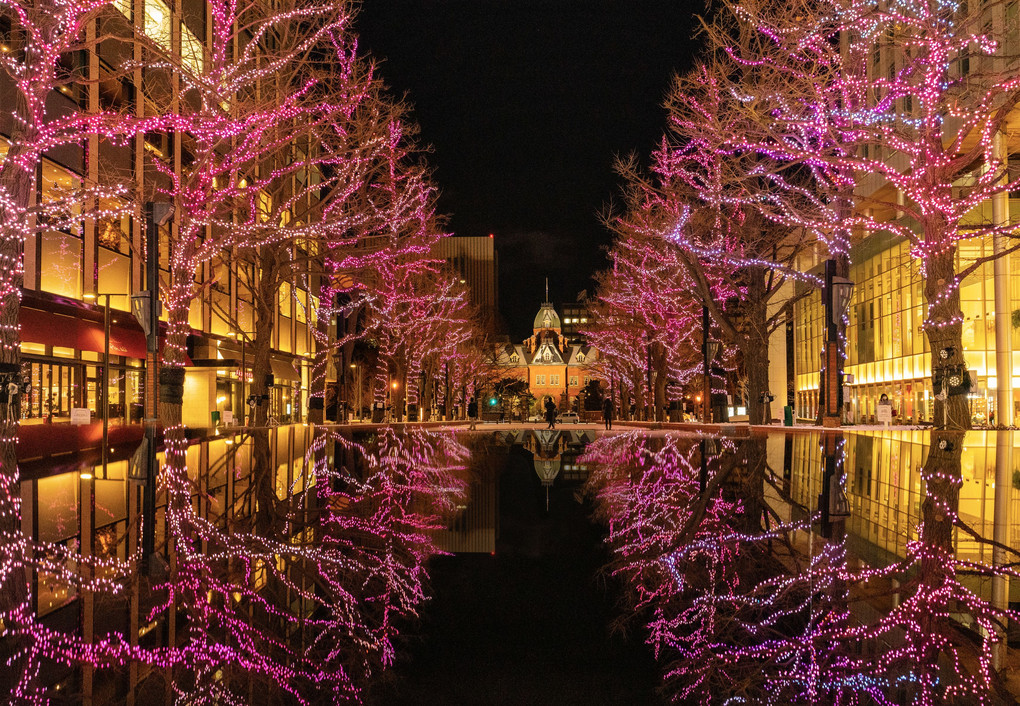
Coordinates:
942 476
752 486
412 386
14 586
382 383
944 327
756 365
660 370
17 184
171 368
320 364
263 471
265 307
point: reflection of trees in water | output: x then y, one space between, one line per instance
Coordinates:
740 604
298 601
303 599
26 643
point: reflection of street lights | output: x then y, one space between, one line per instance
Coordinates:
837 294
833 504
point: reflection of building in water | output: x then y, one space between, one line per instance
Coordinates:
97 511
476 525
555 453
885 488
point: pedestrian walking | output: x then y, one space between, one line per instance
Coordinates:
550 414
472 412
607 413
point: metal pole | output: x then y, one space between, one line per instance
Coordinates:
244 375
830 413
707 386
106 381
1000 533
1003 322
152 287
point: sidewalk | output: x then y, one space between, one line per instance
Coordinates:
745 429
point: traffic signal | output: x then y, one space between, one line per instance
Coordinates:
493 401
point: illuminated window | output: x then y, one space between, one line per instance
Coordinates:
285 302
554 379
61 264
191 50
265 206
157 22
61 188
114 225
573 381
540 379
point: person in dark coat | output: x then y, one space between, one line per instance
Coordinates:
473 412
550 414
607 413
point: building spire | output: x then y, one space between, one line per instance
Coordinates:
547 289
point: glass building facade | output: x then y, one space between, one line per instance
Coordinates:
887 348
69 269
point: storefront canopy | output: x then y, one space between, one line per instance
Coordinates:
52 329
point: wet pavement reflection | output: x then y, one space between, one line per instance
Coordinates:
310 565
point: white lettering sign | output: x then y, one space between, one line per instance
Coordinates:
884 414
81 415
228 418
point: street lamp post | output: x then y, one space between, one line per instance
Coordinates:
837 294
393 401
709 351
145 305
357 368
105 390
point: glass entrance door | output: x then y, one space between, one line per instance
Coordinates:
55 390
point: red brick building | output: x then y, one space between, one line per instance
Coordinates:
554 368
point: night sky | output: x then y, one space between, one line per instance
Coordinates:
525 104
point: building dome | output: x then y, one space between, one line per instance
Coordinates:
547 318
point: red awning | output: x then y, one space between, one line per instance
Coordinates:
53 329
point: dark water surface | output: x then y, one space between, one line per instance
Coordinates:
531 622
406 566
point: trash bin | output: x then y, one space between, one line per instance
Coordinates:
787 416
